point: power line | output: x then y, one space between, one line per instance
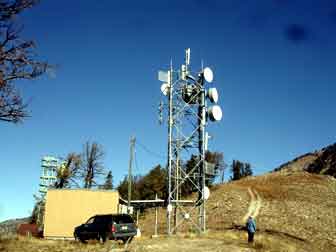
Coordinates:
150 152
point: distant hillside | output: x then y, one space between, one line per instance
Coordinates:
325 163
318 162
10 226
298 164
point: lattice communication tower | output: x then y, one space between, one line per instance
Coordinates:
187 117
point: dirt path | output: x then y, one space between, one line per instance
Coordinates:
255 204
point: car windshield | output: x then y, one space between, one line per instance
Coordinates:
90 221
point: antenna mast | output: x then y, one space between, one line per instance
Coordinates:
187 118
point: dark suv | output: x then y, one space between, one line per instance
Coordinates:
109 226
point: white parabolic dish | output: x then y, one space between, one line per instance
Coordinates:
215 113
206 193
208 74
213 95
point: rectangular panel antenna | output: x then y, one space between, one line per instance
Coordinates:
163 76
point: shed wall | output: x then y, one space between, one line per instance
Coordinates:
66 209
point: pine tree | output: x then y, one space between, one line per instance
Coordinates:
247 170
108 185
154 183
240 169
136 188
123 188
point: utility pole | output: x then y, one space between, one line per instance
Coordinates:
132 143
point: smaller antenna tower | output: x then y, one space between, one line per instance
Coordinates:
49 173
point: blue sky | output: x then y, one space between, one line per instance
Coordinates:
273 61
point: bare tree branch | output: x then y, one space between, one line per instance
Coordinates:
92 166
10 8
12 108
18 60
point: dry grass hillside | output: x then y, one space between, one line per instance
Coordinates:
291 207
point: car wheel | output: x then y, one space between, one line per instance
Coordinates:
102 238
82 240
78 238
